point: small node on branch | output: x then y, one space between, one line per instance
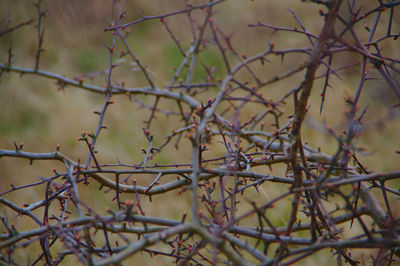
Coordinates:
148 135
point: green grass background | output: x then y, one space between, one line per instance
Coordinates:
34 112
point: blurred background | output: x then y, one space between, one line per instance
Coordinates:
34 111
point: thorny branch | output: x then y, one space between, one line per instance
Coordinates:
330 193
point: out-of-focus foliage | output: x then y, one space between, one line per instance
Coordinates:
34 111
